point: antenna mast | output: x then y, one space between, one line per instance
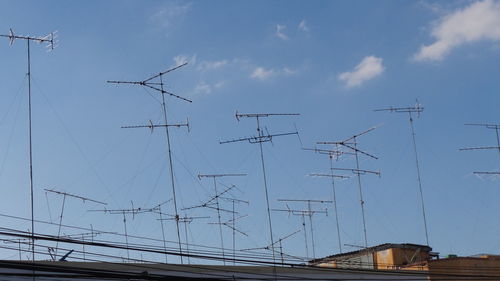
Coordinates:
216 196
260 138
309 212
416 109
352 144
495 127
159 87
65 194
186 220
50 40
331 155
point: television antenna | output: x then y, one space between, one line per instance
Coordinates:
213 203
124 212
331 155
155 83
232 223
416 109
303 213
352 144
64 195
186 220
51 41
495 127
261 138
269 248
157 209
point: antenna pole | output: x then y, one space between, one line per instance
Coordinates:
418 178
335 203
305 234
126 234
163 233
414 109
361 201
311 226
164 106
31 155
219 219
259 131
60 223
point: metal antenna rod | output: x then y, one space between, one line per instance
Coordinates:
154 85
261 138
65 194
187 220
214 177
49 39
232 223
495 127
132 211
415 109
331 154
352 144
310 214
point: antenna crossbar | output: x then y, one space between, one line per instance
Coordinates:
358 171
84 199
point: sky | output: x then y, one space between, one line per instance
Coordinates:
333 62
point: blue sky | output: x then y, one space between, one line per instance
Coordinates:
331 61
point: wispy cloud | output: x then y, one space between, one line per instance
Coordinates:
478 21
170 13
211 65
261 73
369 68
180 59
303 26
207 88
280 28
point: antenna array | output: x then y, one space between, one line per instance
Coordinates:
416 109
261 138
50 39
155 83
495 127
352 144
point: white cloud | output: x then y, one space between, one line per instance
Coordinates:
478 21
206 88
369 68
303 26
261 73
211 65
170 13
279 31
180 59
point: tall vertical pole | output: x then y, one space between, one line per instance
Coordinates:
234 236
163 234
220 223
419 179
259 131
187 243
361 201
335 202
60 222
311 226
498 139
126 235
31 156
171 168
305 234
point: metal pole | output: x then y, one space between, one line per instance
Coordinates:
60 223
126 235
220 223
265 189
305 235
163 235
362 203
31 156
419 180
335 203
311 225
171 167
